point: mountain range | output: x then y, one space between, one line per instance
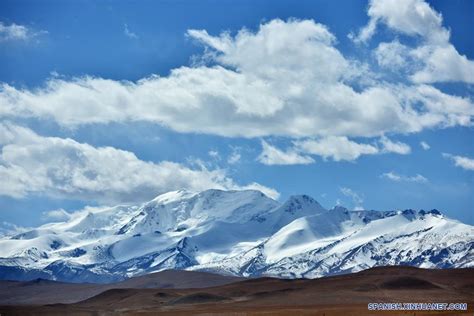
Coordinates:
239 233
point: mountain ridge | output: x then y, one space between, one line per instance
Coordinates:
240 233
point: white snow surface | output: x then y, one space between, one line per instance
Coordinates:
233 232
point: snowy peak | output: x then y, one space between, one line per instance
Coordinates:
172 196
178 210
302 204
295 207
233 206
233 232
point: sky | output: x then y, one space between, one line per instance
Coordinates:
368 105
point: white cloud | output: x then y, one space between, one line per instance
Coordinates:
442 109
16 32
10 229
365 33
129 33
274 194
271 155
356 198
214 154
411 17
425 145
336 147
392 55
437 60
394 147
460 161
442 63
402 178
56 215
235 156
285 79
64 168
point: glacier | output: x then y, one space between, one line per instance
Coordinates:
242 233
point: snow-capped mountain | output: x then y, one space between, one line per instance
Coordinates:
233 232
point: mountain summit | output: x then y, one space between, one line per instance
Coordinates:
243 233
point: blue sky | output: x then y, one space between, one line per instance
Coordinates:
368 105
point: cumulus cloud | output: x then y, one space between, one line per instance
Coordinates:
425 145
64 168
16 32
392 55
443 63
411 17
340 148
437 60
286 79
336 147
394 147
403 178
271 155
461 161
438 104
